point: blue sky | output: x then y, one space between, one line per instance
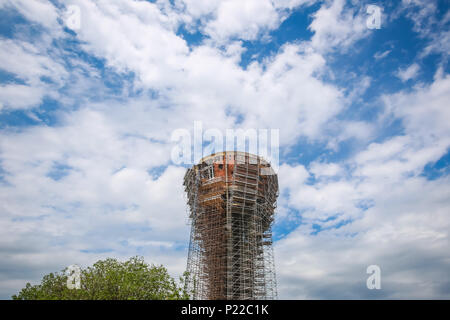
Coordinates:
88 104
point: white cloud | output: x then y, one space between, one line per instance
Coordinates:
326 169
393 216
428 26
80 192
39 11
336 27
100 182
19 96
133 36
238 19
293 177
421 13
380 55
29 62
225 20
405 233
39 74
83 185
208 78
408 73
424 111
291 4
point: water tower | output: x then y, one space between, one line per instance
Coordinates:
232 198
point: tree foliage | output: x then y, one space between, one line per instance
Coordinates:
110 280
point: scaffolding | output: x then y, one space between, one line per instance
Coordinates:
231 201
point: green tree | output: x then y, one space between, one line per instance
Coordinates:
110 280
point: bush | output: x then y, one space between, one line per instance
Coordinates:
110 280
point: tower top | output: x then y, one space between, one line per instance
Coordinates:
232 156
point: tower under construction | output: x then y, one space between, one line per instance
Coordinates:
231 197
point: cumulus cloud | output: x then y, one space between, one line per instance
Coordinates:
81 192
263 93
41 12
376 208
38 74
234 19
100 181
19 96
337 27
